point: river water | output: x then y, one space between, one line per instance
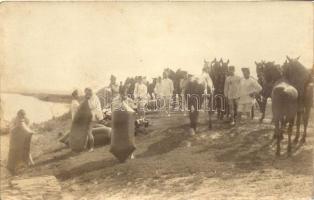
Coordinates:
36 110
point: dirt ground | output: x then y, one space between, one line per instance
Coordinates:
223 163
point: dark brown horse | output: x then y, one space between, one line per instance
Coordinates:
267 73
196 100
218 73
300 77
194 94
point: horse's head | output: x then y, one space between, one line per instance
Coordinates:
260 69
171 74
295 73
268 72
224 67
215 64
272 72
224 64
291 67
181 74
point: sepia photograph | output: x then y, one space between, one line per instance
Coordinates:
153 100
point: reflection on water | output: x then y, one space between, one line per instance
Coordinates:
36 110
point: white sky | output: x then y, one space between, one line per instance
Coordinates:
61 46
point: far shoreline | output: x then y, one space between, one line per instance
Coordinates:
48 97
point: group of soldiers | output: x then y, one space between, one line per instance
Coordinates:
170 90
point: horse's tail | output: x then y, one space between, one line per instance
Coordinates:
309 95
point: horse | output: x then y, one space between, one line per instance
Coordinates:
218 73
267 74
150 88
195 99
292 96
179 75
284 100
284 108
176 77
300 77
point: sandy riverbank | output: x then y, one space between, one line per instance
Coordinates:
223 163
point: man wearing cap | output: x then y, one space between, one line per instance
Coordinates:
249 87
231 92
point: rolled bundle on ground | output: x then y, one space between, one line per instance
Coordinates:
122 137
102 135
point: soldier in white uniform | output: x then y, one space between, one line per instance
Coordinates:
249 87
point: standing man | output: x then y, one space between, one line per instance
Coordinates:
121 90
167 89
231 92
158 93
74 103
114 87
140 96
97 115
249 87
158 88
140 90
74 108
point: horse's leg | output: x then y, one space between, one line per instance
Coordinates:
263 109
298 123
276 135
193 114
306 117
252 112
193 119
291 122
227 108
210 126
218 113
282 127
224 109
259 102
235 109
209 107
219 110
